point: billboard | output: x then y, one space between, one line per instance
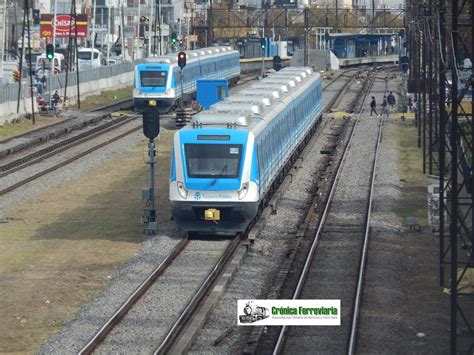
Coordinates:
63 26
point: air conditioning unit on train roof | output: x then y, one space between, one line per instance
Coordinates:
257 99
297 78
307 70
216 117
282 87
159 60
288 82
302 74
272 92
255 108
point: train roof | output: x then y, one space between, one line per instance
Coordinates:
191 54
255 104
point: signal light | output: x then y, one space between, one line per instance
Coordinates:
16 74
49 51
181 59
181 41
262 43
36 17
173 38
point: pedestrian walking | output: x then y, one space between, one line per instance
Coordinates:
373 105
410 105
384 106
391 102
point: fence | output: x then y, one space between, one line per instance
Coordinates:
9 92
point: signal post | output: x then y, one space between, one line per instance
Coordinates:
180 113
50 57
151 130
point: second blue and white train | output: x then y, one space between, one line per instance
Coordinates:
225 162
159 79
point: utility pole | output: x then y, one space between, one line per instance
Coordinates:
306 10
150 21
108 33
137 33
160 15
93 28
4 37
122 32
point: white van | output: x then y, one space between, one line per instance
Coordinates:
90 58
467 64
43 63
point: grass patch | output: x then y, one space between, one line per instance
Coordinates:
106 98
409 162
10 129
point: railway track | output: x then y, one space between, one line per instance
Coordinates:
163 271
44 153
65 145
106 110
311 265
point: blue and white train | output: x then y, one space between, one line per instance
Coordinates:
158 80
226 161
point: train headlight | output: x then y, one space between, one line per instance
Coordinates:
182 190
243 191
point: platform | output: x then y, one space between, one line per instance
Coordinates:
346 62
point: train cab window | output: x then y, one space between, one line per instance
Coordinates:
153 78
213 160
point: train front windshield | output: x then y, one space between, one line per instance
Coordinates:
213 160
152 78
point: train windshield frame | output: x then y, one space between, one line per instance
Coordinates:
213 160
152 78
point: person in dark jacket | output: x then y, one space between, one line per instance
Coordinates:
391 102
373 105
384 106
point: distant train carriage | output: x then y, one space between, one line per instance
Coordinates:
159 80
225 161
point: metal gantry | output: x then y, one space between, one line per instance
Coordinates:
218 21
440 35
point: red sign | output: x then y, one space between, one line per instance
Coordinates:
66 26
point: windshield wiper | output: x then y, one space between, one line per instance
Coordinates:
224 169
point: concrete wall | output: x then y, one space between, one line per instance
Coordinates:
320 59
